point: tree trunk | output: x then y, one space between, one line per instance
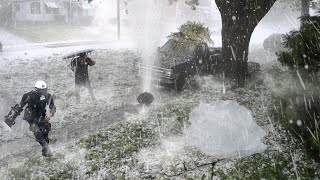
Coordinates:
305 4
239 18
235 47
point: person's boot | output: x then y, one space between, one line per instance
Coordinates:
46 151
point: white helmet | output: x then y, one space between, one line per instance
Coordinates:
40 85
41 88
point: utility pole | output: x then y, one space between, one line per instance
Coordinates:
69 18
118 19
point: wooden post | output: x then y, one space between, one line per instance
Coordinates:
118 19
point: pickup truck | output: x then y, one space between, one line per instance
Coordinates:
177 62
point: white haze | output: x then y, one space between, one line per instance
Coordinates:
148 30
145 19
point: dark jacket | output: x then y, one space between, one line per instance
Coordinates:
36 105
81 68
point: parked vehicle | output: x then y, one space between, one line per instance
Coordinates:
177 62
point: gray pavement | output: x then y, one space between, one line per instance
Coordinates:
47 49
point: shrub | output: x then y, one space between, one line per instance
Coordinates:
299 110
303 45
191 32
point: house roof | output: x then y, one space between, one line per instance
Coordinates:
24 1
86 6
51 4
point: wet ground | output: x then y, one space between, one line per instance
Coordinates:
115 83
115 87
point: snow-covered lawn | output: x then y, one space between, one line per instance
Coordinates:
112 89
145 142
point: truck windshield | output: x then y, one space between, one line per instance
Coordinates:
174 48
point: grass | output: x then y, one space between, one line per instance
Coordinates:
114 150
38 33
298 112
303 124
267 165
40 168
270 165
107 149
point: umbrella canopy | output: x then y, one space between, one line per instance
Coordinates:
77 53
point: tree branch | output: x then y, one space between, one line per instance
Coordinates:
261 8
186 170
219 4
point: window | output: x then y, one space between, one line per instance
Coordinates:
16 7
51 7
35 8
52 10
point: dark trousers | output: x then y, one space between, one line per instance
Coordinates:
86 84
40 128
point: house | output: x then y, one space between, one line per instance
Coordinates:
35 11
69 11
78 11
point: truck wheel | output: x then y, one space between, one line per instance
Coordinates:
180 82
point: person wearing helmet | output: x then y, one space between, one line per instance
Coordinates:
80 65
40 108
